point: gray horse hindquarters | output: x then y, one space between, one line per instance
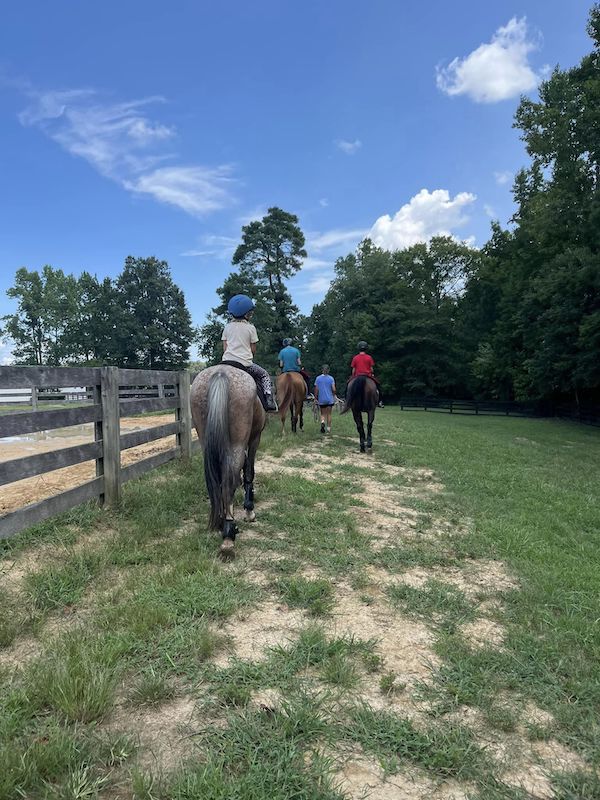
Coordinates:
229 419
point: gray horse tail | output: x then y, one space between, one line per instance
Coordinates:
355 394
218 465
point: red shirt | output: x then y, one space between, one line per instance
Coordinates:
362 364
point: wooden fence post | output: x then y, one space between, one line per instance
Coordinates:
184 416
111 435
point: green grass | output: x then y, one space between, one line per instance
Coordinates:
158 606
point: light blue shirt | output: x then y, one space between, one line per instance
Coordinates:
325 384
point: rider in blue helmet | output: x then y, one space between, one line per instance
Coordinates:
239 346
290 360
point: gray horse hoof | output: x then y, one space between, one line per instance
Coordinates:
250 516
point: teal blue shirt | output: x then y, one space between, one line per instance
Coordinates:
289 357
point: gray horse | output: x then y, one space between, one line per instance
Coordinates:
229 419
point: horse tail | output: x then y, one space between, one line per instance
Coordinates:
218 465
355 394
288 395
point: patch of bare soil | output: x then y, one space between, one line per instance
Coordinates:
478 578
31 490
361 778
483 633
163 732
251 633
405 645
523 764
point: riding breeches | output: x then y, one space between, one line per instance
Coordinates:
261 376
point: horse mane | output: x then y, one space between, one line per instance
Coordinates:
288 394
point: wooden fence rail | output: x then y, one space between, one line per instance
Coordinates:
105 387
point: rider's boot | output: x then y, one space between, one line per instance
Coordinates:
270 403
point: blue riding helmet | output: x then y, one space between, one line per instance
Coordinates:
240 305
287 342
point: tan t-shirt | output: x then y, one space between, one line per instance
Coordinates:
239 335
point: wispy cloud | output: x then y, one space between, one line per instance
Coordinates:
502 178
349 148
496 70
335 238
490 211
310 264
317 285
123 143
426 214
324 202
6 353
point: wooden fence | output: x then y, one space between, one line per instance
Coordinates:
483 407
106 408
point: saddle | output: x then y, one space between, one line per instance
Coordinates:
259 389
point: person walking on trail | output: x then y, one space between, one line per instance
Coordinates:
325 395
290 360
239 346
363 364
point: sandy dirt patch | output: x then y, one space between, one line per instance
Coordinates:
31 490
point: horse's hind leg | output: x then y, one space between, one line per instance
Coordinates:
294 416
360 428
249 480
302 416
370 419
230 531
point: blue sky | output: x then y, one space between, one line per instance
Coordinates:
150 128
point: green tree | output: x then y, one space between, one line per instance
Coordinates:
154 328
270 253
46 311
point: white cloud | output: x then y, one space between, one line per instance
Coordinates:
334 238
316 263
6 354
502 178
348 147
490 211
324 202
427 214
194 253
496 70
122 143
317 285
197 190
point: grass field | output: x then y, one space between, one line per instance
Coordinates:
419 623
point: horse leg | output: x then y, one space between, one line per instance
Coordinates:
360 428
230 531
249 481
370 419
302 415
294 416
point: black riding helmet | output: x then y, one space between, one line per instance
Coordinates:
362 346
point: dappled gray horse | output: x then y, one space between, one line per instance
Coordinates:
229 419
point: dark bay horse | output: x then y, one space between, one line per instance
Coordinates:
291 393
362 396
229 419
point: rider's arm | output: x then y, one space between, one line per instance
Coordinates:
253 348
224 343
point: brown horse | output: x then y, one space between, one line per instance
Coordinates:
229 419
362 396
291 393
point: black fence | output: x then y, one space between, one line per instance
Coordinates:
586 414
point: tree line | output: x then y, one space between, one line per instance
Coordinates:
138 320
518 318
